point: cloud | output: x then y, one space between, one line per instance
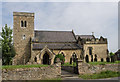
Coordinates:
83 18
60 0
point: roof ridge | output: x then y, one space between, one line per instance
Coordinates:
83 35
50 31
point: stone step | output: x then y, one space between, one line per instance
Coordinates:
66 75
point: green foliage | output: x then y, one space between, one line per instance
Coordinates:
60 56
23 66
111 54
103 74
8 51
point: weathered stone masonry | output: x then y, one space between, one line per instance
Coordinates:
35 73
84 68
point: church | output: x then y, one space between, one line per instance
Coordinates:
40 47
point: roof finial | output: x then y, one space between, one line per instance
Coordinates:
92 33
72 30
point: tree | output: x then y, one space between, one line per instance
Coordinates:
8 51
61 57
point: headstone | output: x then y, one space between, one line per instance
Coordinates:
107 59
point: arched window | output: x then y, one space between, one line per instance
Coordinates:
102 60
74 55
91 58
95 59
35 59
90 50
25 24
87 58
63 54
21 23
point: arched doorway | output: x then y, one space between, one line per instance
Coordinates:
46 59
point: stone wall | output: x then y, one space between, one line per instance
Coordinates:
38 73
84 68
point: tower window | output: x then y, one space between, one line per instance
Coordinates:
24 37
21 23
25 24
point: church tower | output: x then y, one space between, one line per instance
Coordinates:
23 31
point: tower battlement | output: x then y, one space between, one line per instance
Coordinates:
100 40
23 14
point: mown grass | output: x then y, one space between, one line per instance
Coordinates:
103 74
102 63
68 64
22 66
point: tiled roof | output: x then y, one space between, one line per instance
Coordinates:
56 45
54 36
85 36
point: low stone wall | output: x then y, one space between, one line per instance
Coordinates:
84 68
38 73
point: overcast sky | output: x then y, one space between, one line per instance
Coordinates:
83 17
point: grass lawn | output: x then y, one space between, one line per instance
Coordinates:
104 74
22 66
68 64
99 63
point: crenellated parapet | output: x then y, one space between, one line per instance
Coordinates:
100 40
90 39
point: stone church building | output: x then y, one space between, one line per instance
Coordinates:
40 47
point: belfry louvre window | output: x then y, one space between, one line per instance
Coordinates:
25 23
21 23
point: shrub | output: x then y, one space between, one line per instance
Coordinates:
61 57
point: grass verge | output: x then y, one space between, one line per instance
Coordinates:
101 63
103 74
22 66
68 64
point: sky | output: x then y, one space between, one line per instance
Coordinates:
83 17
